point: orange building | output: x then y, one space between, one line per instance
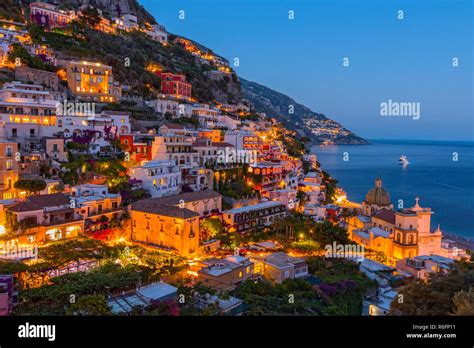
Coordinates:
165 226
93 82
216 135
8 169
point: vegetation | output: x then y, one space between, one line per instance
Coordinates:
21 53
210 228
79 41
331 185
31 186
442 294
299 226
11 10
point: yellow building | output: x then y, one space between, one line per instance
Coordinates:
8 169
400 234
93 82
165 226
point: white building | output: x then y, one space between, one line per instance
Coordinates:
127 22
164 105
27 113
158 33
94 200
160 177
176 147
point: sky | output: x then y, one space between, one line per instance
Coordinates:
406 61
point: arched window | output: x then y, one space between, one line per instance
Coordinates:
398 237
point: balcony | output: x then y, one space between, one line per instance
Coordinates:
105 211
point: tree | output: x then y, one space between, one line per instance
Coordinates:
31 186
90 305
441 294
89 17
210 228
464 302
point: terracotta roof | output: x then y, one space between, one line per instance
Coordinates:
40 202
151 206
168 206
187 197
385 215
221 144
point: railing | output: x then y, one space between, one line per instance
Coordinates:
106 211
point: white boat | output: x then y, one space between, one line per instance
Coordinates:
403 160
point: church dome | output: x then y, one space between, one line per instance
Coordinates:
377 195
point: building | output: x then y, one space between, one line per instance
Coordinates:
216 135
138 147
225 274
379 305
96 205
213 153
27 113
37 77
253 217
175 85
127 22
144 296
9 169
165 226
50 16
377 198
158 33
286 196
93 82
108 124
44 218
160 177
400 234
278 267
176 147
173 129
421 267
198 179
267 176
205 203
167 106
54 148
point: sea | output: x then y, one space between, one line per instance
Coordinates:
440 173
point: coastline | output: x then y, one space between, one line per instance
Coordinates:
461 240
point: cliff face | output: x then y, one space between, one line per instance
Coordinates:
296 116
208 85
114 8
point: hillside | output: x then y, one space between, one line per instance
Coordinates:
296 116
80 42
136 46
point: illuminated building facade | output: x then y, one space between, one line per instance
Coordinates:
174 85
93 82
165 226
49 15
8 169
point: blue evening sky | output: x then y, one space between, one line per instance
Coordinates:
406 60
